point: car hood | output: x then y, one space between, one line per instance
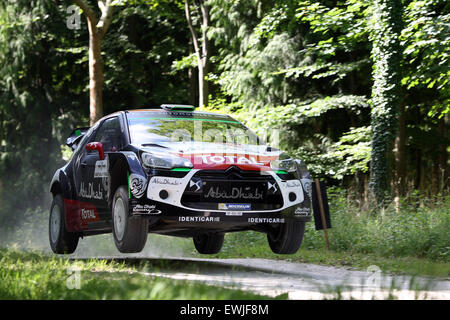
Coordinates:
218 156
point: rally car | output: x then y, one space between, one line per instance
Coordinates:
175 171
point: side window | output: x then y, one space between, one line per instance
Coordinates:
110 135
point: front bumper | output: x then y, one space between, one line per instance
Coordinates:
166 200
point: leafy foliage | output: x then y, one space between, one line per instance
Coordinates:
302 67
426 43
29 64
386 91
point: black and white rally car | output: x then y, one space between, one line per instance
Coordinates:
175 171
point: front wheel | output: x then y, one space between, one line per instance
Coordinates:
130 232
208 243
287 238
61 241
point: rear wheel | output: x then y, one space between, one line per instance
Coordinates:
208 243
61 241
130 232
287 238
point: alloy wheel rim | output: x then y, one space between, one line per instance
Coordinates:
119 218
55 223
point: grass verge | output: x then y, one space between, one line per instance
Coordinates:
31 275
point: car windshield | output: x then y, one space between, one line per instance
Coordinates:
157 127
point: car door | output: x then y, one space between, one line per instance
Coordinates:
93 173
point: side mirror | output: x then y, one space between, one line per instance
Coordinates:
75 137
98 146
74 143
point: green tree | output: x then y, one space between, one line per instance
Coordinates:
301 67
426 54
28 65
386 91
97 30
202 48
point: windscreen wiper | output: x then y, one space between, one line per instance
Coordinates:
153 145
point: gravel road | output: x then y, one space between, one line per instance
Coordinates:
298 280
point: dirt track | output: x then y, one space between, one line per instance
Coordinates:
299 280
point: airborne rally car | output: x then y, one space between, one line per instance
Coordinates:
175 171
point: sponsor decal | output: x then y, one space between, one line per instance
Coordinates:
137 185
102 171
131 156
165 180
217 159
233 213
293 183
235 206
79 214
266 220
199 219
145 209
90 192
88 214
236 193
105 184
302 211
307 186
101 168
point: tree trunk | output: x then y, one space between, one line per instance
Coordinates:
418 170
95 76
192 81
192 86
443 155
400 155
205 51
97 30
435 176
202 53
386 93
366 192
422 188
201 83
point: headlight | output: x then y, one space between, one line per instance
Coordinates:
283 163
164 161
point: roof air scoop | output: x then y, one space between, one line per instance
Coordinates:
179 107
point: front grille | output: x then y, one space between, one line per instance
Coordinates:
208 188
233 173
166 173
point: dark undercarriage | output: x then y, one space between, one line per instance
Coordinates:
262 222
199 222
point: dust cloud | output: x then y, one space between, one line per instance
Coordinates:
31 234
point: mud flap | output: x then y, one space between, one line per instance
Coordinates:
316 207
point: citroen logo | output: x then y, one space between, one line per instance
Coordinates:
197 183
272 185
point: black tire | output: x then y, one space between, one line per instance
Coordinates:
208 243
132 235
287 238
61 241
